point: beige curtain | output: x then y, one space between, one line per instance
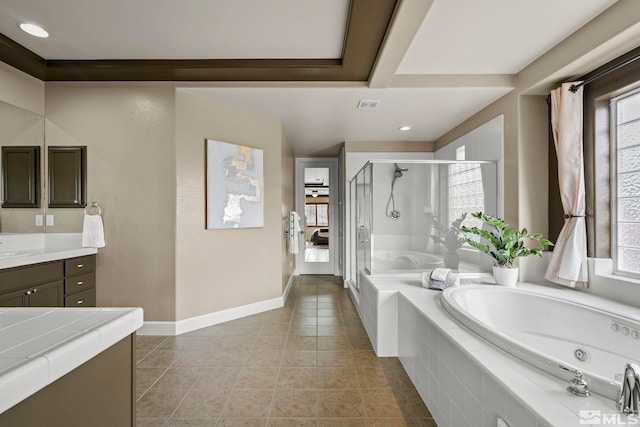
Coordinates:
568 265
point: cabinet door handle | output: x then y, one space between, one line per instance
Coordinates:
31 291
80 283
34 290
28 292
80 301
79 265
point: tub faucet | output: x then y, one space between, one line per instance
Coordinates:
629 397
578 385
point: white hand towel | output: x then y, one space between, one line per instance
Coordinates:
294 232
93 232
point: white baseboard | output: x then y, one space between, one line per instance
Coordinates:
210 319
285 294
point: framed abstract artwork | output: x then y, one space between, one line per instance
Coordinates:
234 186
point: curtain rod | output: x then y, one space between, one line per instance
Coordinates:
603 73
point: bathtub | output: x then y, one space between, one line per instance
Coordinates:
404 261
546 330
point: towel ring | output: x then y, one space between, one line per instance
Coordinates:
95 205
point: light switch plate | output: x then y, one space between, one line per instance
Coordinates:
39 220
49 220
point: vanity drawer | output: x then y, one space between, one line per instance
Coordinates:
22 277
85 298
79 283
81 265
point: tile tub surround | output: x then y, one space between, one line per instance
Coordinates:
33 248
309 363
40 345
467 382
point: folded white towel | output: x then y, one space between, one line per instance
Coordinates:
93 232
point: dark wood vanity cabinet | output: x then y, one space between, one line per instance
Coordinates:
63 283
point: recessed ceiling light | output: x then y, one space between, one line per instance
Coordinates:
404 128
34 30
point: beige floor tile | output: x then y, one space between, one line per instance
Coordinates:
159 403
292 422
307 364
330 320
257 377
178 378
212 378
191 422
305 321
289 403
241 422
297 343
340 403
148 342
298 378
159 359
381 403
270 342
300 359
342 422
360 343
332 331
340 377
266 358
248 404
303 330
374 378
333 343
335 358
231 358
151 422
203 404
145 377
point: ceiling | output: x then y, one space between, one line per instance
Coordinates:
307 62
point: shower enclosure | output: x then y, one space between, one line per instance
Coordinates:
405 216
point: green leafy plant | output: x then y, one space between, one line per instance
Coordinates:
506 244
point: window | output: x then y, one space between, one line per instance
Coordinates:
317 214
466 193
625 174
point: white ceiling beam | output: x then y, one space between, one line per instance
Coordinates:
453 81
406 21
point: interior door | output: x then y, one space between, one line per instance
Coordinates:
316 203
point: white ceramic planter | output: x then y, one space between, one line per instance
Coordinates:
505 276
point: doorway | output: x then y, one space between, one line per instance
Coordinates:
316 203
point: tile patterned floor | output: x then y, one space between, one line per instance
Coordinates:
309 363
315 254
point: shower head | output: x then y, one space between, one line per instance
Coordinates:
398 172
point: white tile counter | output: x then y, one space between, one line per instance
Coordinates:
24 249
40 345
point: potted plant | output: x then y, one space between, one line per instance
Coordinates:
505 246
452 239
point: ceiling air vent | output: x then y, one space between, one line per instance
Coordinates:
367 104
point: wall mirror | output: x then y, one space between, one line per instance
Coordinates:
22 128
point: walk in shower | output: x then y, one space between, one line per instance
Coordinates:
405 216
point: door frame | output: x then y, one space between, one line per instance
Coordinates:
331 267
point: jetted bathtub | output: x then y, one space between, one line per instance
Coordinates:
547 331
404 261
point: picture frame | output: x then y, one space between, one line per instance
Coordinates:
234 186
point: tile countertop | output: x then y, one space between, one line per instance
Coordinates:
40 345
24 249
